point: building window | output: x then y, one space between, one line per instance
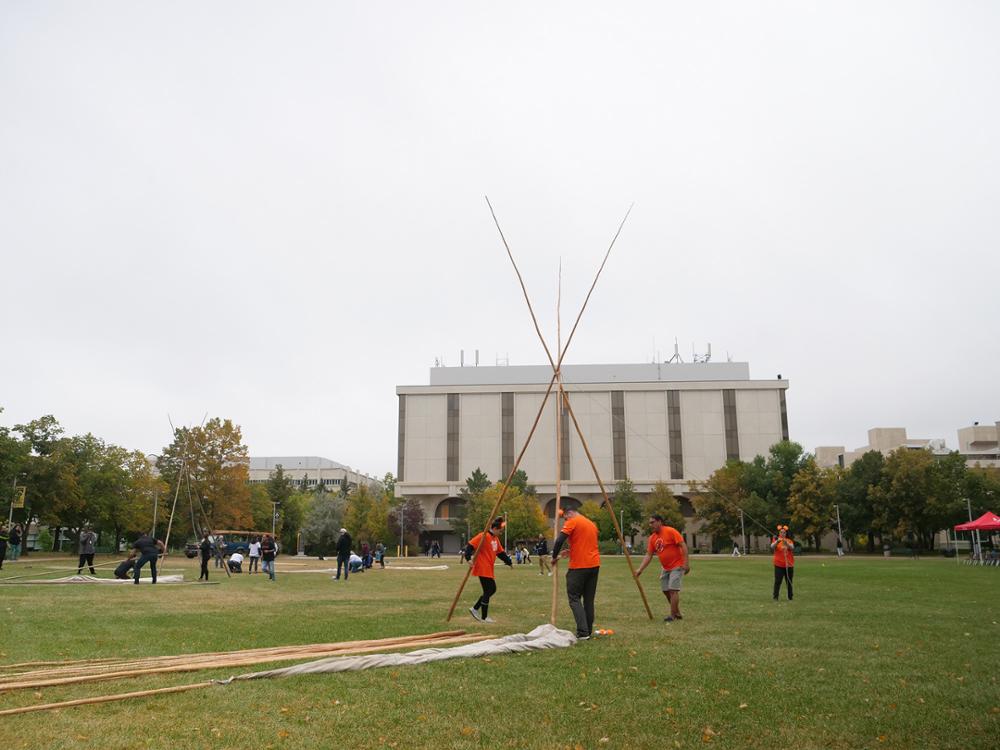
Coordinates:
453 401
618 434
400 454
784 415
732 432
506 433
674 434
563 438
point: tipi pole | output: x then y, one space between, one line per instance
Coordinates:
559 411
608 505
503 494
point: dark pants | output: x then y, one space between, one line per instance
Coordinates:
343 560
581 583
151 559
204 569
786 574
3 553
88 560
489 589
254 564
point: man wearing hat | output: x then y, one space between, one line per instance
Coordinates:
343 553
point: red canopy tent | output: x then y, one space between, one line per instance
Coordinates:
986 522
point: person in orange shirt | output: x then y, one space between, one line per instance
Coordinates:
483 566
668 544
584 566
784 561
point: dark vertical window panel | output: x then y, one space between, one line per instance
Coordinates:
401 451
506 433
732 430
563 440
784 414
674 435
618 435
453 414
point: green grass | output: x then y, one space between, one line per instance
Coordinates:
872 653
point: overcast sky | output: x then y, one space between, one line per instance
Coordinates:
274 212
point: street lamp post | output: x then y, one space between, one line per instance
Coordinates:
975 533
840 531
621 525
402 520
743 533
274 515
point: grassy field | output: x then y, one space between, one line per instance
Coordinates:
872 653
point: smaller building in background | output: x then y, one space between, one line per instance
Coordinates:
980 445
312 470
977 444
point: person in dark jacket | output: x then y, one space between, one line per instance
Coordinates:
149 551
124 570
87 541
343 553
205 548
3 544
268 550
15 542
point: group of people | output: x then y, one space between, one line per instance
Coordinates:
581 535
348 561
10 542
261 552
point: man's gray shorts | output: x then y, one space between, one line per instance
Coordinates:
670 580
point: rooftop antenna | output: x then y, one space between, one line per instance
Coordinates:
677 354
477 358
461 357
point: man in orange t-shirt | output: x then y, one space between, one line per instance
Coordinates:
483 566
668 544
784 561
584 566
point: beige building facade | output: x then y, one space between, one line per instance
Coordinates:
313 470
673 423
977 444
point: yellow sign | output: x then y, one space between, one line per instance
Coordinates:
19 496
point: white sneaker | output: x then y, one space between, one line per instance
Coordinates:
475 614
550 575
489 619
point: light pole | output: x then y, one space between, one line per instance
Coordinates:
621 525
975 533
402 520
840 532
743 533
274 515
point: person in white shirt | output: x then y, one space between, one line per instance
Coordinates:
355 562
236 563
254 556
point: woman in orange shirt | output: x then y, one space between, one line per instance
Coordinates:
483 567
784 561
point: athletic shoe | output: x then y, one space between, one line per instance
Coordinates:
550 575
668 619
488 619
583 637
475 614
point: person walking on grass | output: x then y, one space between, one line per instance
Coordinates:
4 539
484 566
667 543
149 551
205 548
784 561
87 541
584 567
15 542
380 555
343 554
268 551
254 555
542 550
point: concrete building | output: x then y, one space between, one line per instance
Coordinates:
313 469
670 422
980 445
977 444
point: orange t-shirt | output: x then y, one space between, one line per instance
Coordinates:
582 535
483 567
784 554
667 545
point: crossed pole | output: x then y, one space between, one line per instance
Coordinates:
563 401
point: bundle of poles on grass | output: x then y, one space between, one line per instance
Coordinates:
39 674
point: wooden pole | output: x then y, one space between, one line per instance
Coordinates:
559 408
608 505
503 494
